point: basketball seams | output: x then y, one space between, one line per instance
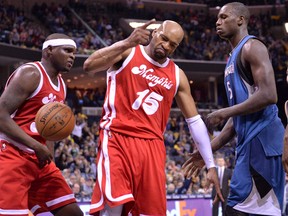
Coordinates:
64 126
53 116
44 110
55 121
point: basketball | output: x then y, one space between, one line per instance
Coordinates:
55 121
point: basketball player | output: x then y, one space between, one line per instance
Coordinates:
29 178
142 82
257 184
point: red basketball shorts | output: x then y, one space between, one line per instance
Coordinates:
24 186
130 171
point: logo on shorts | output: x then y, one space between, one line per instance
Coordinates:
3 147
110 134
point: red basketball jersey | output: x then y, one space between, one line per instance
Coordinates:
139 96
46 92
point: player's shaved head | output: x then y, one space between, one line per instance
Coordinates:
172 28
239 9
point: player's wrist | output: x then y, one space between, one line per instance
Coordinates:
123 45
211 166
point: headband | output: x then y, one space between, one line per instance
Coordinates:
58 42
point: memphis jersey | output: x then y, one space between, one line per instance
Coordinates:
139 96
46 92
238 90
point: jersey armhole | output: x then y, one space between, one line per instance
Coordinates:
244 72
40 84
177 74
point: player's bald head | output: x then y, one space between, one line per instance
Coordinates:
172 28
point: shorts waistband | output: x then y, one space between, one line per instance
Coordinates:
16 144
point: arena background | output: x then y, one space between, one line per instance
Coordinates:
203 71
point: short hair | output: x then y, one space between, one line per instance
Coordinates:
240 10
220 155
57 36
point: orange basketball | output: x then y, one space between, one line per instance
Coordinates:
55 121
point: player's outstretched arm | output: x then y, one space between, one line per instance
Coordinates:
197 129
195 163
195 123
106 57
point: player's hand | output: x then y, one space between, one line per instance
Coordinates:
43 154
285 151
141 35
193 165
212 178
216 117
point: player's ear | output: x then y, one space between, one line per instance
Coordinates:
154 32
240 20
49 50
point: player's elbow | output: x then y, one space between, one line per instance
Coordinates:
271 98
87 66
274 100
92 66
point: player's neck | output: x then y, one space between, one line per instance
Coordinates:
234 43
52 73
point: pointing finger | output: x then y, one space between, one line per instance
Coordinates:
148 23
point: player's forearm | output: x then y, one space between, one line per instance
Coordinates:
104 58
201 139
50 145
255 103
226 135
14 132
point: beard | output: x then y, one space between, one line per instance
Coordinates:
160 54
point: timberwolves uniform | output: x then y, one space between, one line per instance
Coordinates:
131 156
257 185
24 184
